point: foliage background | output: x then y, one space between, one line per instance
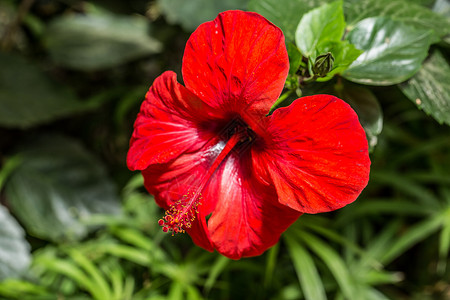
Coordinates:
76 224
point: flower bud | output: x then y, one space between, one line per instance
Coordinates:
323 64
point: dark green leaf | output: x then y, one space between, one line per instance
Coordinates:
28 97
57 186
295 58
323 24
369 112
429 89
412 236
286 14
192 13
97 41
393 51
400 10
15 254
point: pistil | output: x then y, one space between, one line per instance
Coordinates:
182 213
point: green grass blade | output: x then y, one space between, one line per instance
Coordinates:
414 235
444 243
70 270
308 276
216 269
272 255
97 278
334 262
407 186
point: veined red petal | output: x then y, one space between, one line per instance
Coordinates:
316 154
172 181
247 219
165 126
238 63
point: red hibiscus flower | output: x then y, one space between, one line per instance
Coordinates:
225 172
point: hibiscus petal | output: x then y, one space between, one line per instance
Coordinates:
247 219
317 154
164 127
238 63
173 181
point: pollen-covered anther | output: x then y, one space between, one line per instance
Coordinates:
180 214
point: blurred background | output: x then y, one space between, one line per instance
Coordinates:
75 223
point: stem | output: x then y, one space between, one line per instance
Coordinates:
281 99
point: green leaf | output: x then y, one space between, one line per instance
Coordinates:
400 10
58 185
192 13
216 269
23 290
308 276
286 14
393 51
410 187
334 262
444 242
412 236
102 287
50 263
98 41
323 24
429 89
15 254
366 106
28 97
295 58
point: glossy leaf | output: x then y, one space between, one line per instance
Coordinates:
15 254
393 51
28 97
192 13
369 112
98 41
429 89
323 24
286 14
57 186
400 10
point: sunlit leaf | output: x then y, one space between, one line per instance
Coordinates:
393 51
17 288
325 23
15 254
57 186
429 89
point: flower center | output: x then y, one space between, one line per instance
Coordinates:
180 214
